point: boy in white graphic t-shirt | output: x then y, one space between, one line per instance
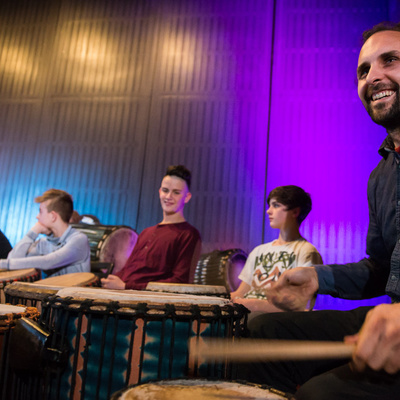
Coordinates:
288 207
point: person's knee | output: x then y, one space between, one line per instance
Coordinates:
262 326
337 383
272 326
316 388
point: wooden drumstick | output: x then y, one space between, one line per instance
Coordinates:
245 350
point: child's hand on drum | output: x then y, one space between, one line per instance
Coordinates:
295 289
112 282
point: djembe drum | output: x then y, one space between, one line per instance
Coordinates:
220 268
18 275
118 338
109 243
9 315
198 389
187 288
32 294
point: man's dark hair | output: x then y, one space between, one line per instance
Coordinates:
292 196
59 201
383 26
181 172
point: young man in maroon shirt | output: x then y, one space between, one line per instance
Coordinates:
167 251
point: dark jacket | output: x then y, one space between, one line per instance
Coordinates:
379 273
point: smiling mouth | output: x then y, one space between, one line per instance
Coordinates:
382 94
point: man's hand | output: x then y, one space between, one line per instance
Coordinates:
378 342
112 282
294 290
258 305
39 228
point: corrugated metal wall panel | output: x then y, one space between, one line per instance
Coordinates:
98 97
90 83
209 114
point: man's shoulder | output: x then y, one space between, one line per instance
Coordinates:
383 164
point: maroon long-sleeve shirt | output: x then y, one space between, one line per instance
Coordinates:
163 253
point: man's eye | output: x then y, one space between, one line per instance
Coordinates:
390 59
362 74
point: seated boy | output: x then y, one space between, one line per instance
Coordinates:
63 249
168 251
288 207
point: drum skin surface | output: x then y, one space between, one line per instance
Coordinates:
187 288
109 243
19 275
198 389
32 293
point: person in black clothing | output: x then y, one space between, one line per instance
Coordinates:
374 370
5 246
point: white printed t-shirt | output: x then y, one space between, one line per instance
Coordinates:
267 262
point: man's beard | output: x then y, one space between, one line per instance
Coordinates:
389 118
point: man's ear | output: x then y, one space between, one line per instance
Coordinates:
188 197
54 216
295 211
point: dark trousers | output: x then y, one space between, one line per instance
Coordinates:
326 379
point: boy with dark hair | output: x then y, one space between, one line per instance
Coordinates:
292 197
168 251
288 207
181 172
63 250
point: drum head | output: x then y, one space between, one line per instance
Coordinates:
198 389
140 296
118 247
109 243
8 309
187 288
74 279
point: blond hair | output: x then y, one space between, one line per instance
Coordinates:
59 201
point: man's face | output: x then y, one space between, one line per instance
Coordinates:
277 214
174 194
45 217
378 75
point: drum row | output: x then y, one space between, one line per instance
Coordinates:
73 340
90 342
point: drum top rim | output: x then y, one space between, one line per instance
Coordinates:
11 309
29 286
16 273
138 296
85 277
161 285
